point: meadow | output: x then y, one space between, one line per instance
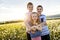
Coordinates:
17 31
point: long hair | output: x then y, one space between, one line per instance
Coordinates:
38 20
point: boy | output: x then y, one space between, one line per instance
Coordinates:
45 31
30 9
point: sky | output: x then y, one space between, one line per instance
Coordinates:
16 9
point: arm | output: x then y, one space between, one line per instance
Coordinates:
27 25
26 21
43 23
39 27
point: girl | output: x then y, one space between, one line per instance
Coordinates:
35 30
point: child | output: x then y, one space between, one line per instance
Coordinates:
36 28
45 31
30 9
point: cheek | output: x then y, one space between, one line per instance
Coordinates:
36 18
33 18
38 10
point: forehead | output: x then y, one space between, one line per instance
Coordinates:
34 14
30 5
39 7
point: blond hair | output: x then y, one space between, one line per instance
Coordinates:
38 20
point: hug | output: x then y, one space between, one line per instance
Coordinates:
36 26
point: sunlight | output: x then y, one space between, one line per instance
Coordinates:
16 11
8 14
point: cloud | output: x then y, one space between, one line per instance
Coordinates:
16 9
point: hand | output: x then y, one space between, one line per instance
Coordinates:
39 27
32 32
33 28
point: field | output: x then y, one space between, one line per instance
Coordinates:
17 31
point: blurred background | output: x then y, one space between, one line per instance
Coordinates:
12 15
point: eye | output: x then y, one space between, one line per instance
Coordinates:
29 7
33 16
37 9
40 9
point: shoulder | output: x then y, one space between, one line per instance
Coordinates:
27 13
42 15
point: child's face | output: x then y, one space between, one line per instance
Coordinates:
39 10
34 17
30 7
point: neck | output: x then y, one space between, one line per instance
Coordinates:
30 11
39 14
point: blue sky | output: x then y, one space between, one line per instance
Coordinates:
16 9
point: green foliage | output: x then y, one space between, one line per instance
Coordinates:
17 31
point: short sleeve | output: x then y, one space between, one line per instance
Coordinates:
44 18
